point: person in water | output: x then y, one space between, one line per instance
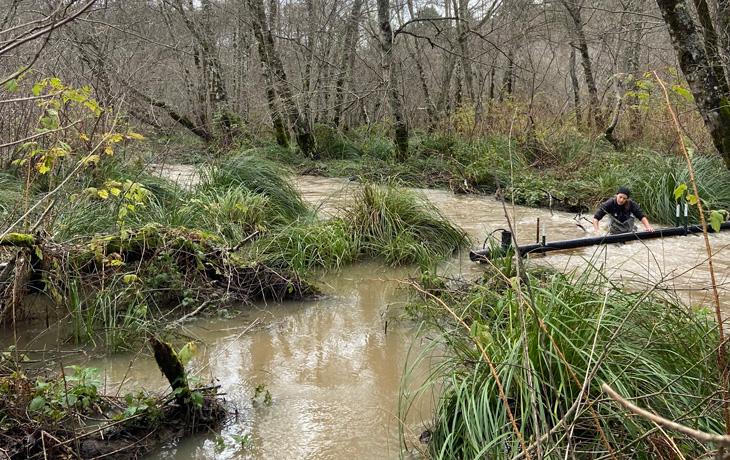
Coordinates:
623 212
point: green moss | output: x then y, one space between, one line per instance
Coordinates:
18 239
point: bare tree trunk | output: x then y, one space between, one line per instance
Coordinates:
632 68
462 30
712 45
309 55
213 95
447 74
723 25
417 55
576 89
508 77
447 70
272 63
594 114
241 66
391 79
699 73
348 58
281 132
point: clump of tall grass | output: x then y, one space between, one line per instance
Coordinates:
11 193
402 227
259 176
234 214
310 243
568 335
658 176
394 224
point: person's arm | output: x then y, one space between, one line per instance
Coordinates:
600 212
636 211
646 224
596 228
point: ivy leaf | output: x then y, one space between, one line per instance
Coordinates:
114 138
679 191
196 398
44 165
692 199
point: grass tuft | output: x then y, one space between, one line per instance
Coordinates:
261 177
402 227
656 353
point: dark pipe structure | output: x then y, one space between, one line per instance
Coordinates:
506 246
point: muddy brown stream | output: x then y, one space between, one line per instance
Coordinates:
334 366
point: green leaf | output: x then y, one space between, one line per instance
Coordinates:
197 398
683 92
37 88
37 403
11 86
186 352
716 219
679 191
45 165
692 199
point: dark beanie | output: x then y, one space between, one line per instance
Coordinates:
624 190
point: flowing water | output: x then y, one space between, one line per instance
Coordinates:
333 367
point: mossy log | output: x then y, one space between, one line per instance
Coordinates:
20 240
179 260
169 363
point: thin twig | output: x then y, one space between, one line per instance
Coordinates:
721 439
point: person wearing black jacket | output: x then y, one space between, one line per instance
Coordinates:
622 211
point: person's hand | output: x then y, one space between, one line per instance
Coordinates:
649 228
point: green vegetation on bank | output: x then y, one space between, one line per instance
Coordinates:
393 224
127 249
566 172
553 344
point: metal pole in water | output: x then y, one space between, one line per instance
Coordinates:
582 242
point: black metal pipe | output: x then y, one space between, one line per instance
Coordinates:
484 254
